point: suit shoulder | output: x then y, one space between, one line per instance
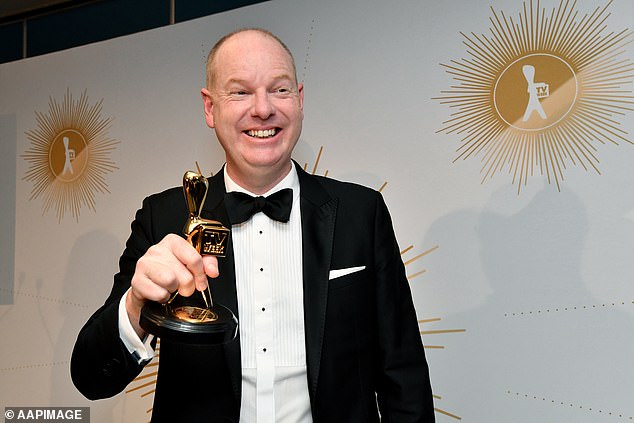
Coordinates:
343 189
163 209
167 196
169 193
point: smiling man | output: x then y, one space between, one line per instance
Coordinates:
328 330
254 103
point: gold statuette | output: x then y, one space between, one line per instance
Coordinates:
195 319
207 236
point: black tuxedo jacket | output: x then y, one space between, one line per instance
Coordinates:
365 358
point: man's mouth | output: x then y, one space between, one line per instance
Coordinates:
262 133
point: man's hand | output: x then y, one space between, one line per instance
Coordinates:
169 266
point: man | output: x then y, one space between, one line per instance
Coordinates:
328 331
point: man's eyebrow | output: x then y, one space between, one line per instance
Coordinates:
275 79
236 81
284 77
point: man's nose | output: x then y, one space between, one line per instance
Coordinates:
263 106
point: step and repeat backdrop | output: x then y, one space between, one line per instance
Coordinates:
500 134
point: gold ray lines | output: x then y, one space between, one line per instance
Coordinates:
415 258
316 165
85 121
430 320
437 331
314 171
446 413
583 46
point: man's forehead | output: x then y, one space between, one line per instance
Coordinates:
238 60
249 50
251 40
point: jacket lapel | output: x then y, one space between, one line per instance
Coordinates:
318 223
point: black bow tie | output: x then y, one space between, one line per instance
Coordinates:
241 206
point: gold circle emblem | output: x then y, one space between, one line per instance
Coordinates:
535 92
68 155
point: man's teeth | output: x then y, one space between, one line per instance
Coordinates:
261 133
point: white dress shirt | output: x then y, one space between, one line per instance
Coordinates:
269 285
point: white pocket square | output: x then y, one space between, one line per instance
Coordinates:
337 273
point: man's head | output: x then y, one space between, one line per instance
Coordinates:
254 103
212 53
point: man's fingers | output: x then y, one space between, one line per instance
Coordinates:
171 275
199 266
169 266
210 264
193 262
143 288
182 260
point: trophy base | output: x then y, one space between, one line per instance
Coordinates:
159 320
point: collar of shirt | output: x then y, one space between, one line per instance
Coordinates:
290 181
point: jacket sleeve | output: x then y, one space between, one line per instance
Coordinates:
101 366
404 391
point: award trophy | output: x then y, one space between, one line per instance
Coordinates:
194 319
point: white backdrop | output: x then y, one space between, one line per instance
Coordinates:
525 299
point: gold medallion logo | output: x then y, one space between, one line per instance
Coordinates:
69 155
528 105
540 92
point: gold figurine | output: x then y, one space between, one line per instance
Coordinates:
207 236
190 319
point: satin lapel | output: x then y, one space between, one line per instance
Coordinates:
224 288
318 224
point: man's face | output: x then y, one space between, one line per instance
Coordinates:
254 105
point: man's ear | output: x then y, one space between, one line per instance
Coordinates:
208 107
300 90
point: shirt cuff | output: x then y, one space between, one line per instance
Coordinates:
140 349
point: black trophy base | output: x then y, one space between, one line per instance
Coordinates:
159 320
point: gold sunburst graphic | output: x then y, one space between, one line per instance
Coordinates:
69 155
540 92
